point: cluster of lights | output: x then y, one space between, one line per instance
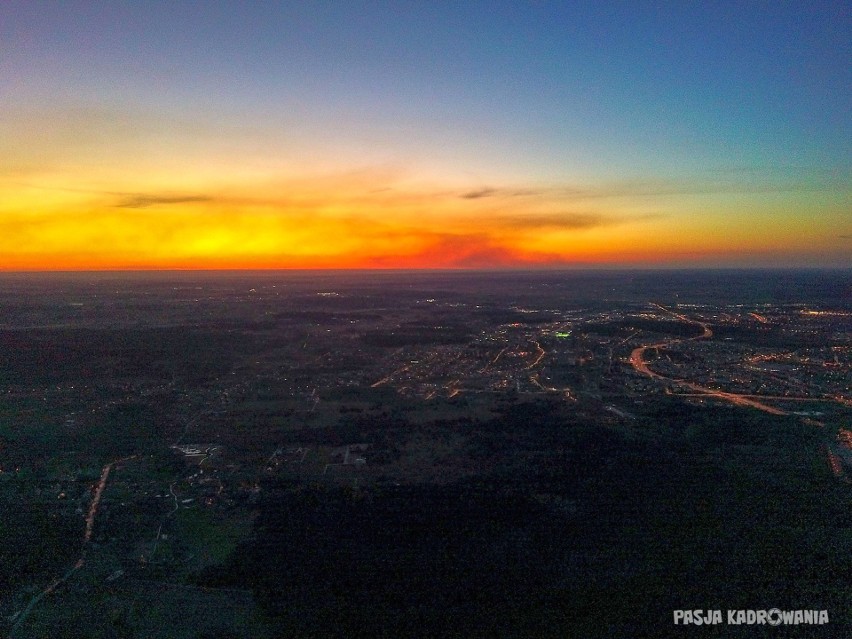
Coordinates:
827 313
834 463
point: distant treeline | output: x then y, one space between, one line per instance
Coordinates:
628 325
325 317
768 336
509 316
41 356
417 335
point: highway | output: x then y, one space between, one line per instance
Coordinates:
637 360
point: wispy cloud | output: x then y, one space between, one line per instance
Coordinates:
479 193
569 220
714 182
142 201
501 192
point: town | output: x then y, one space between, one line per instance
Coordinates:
150 428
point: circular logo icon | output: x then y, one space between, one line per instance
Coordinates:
774 617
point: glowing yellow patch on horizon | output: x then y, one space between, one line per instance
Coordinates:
105 218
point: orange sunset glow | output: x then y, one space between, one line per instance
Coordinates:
135 147
372 220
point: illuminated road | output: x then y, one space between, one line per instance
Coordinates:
637 357
493 361
637 360
385 380
90 524
541 354
739 400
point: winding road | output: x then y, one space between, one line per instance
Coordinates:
637 360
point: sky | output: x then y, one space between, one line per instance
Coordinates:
525 134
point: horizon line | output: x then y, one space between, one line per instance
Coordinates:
461 270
